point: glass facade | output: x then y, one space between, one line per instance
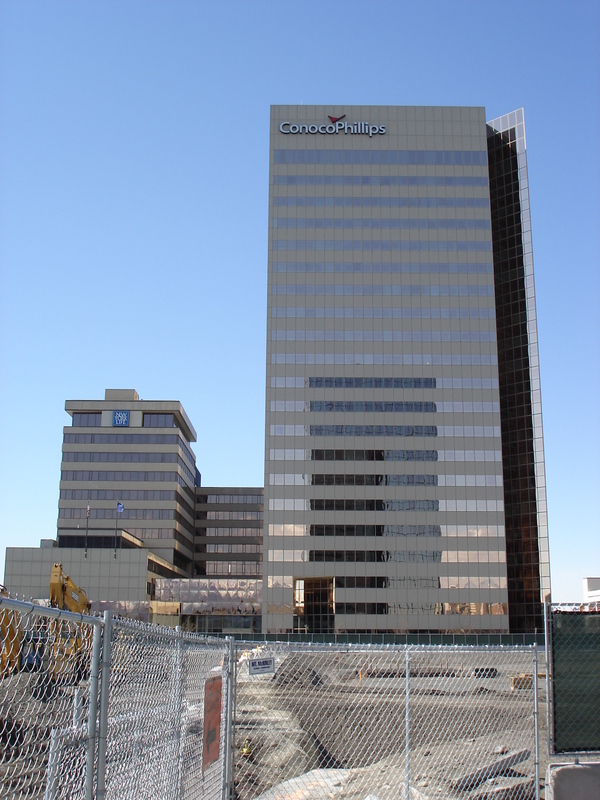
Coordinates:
388 340
519 374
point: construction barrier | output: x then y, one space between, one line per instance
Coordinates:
110 708
573 654
104 708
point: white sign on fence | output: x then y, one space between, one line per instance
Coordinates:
261 666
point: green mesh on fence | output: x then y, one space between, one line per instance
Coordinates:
576 673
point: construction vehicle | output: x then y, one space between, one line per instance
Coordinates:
59 649
65 594
71 643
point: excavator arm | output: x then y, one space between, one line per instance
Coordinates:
65 594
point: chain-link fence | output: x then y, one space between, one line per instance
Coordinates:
357 722
573 654
102 708
167 705
45 697
109 708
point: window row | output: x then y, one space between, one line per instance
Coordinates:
368 223
397 312
381 245
381 180
368 383
372 556
381 336
111 513
230 531
89 420
478 431
231 515
369 406
130 458
439 158
375 530
395 359
468 609
361 608
345 479
123 494
122 458
387 290
233 548
352 455
353 504
299 382
369 268
130 438
159 421
122 475
471 531
442 582
351 406
242 499
353 430
447 406
379 202
401 556
290 454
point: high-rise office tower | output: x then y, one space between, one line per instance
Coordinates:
404 471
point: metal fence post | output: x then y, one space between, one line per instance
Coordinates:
536 723
407 727
103 724
51 792
93 713
229 732
180 741
547 623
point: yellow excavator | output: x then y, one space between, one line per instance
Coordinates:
60 649
71 643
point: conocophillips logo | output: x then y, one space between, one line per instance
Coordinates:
337 125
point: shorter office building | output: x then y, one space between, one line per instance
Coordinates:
128 463
138 532
229 530
128 577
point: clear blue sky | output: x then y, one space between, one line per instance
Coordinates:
133 212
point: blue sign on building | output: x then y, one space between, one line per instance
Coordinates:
120 419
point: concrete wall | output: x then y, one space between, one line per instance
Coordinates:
100 575
573 781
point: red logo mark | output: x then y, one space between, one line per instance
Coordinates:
336 119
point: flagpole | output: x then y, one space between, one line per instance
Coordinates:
116 518
87 524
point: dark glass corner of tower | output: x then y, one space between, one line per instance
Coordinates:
518 372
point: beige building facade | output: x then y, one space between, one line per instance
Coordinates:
402 422
127 464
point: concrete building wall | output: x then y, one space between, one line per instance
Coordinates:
102 576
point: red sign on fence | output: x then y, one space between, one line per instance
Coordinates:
212 721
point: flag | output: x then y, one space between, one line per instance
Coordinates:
120 508
87 511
